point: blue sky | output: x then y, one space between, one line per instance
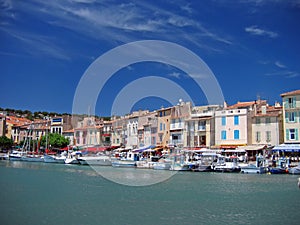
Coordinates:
251 46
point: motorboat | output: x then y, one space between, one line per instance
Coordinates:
295 170
16 155
129 160
72 158
226 164
162 165
54 159
258 168
204 164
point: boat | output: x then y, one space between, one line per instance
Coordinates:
129 160
97 160
226 164
281 168
204 164
258 168
162 165
16 155
176 166
32 158
54 159
72 158
295 170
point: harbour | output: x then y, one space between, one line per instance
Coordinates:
46 193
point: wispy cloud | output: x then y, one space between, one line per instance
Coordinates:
280 65
116 22
255 30
285 73
174 74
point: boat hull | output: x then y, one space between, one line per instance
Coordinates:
95 161
124 163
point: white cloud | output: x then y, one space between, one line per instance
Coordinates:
174 74
254 30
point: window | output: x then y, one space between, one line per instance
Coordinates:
236 134
290 102
258 136
160 126
257 120
201 125
236 120
292 134
223 134
223 120
268 120
292 117
268 136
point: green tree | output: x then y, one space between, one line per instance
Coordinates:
5 143
55 140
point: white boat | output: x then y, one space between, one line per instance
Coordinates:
54 159
97 160
259 168
164 165
32 158
128 161
226 164
72 158
176 166
145 164
204 164
16 155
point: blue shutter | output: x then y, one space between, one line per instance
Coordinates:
287 134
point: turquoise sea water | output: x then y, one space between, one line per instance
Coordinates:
40 193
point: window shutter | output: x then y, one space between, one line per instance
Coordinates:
294 102
286 103
286 117
287 134
296 134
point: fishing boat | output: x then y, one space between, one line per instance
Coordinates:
162 165
281 168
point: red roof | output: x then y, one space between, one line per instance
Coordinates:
296 92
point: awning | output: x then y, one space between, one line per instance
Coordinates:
287 148
252 147
143 148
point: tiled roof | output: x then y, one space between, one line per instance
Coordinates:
241 105
296 92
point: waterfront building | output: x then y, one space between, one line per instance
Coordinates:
267 127
163 126
200 127
16 128
132 128
57 125
147 129
291 113
179 114
105 132
118 131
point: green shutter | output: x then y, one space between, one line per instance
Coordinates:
294 102
286 103
287 134
286 117
296 134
